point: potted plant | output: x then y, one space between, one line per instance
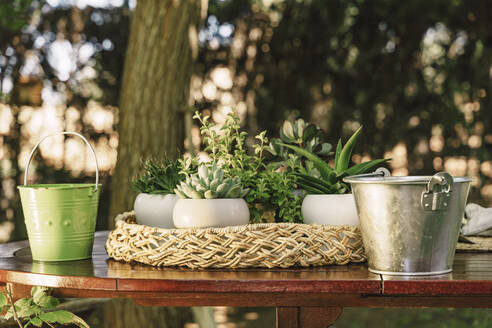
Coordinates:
329 200
210 199
155 202
270 197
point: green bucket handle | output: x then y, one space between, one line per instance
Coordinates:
62 133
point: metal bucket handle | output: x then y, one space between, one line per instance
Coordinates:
437 195
442 180
379 172
55 134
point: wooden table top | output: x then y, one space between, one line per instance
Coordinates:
102 276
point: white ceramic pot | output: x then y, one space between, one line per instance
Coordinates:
330 209
202 213
155 210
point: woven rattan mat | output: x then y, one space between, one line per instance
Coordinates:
255 245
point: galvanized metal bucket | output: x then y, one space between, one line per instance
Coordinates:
410 225
60 218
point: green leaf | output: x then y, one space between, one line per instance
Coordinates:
304 179
36 322
37 292
325 149
3 300
309 133
313 190
337 155
79 321
9 314
333 178
288 131
48 302
34 309
61 316
346 153
299 128
321 165
363 167
48 317
22 306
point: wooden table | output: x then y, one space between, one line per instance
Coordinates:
304 297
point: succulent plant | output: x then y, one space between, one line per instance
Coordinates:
330 180
301 134
210 183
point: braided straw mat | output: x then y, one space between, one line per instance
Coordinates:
254 245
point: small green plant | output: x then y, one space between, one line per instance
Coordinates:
274 192
330 179
269 191
301 134
210 183
37 310
159 177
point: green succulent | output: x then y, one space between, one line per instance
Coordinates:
330 179
301 134
210 183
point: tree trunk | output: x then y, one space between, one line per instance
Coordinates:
154 95
155 89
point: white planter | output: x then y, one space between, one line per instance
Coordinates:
155 210
330 209
202 213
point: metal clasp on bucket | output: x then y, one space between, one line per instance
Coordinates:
437 195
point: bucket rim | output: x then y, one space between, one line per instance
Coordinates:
416 179
59 186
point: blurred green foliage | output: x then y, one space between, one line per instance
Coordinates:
14 14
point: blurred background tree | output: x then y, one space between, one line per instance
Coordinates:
161 51
416 74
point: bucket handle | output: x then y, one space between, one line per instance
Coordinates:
437 195
442 180
379 172
63 133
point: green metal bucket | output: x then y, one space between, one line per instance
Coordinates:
60 218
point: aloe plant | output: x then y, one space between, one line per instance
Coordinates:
210 183
330 179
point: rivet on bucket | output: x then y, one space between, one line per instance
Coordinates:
60 218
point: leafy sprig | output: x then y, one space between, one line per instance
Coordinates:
38 310
268 190
227 145
160 177
275 191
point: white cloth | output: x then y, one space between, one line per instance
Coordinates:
479 220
